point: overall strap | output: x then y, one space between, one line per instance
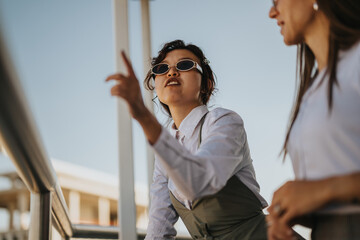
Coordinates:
202 120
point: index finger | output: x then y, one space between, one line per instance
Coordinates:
127 64
116 76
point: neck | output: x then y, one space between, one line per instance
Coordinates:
178 113
317 38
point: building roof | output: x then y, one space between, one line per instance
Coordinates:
74 177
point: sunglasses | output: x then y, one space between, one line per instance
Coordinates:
182 65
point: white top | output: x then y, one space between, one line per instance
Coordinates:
326 143
190 172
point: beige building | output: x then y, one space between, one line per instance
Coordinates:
91 197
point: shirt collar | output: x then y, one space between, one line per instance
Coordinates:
190 122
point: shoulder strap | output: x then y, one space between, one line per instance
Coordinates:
201 126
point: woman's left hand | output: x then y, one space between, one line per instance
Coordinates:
128 88
296 198
293 199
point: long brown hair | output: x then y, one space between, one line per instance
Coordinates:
207 77
344 18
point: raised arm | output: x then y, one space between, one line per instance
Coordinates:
128 88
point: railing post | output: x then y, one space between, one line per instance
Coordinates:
9 236
11 209
40 210
126 204
22 204
148 95
20 235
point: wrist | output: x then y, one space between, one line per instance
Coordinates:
139 111
338 189
150 126
144 117
329 188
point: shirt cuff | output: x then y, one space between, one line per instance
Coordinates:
168 147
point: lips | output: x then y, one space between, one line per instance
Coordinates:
281 25
172 82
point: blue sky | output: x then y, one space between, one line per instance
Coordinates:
63 51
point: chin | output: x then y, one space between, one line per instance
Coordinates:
290 42
287 43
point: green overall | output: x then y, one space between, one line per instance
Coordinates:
232 213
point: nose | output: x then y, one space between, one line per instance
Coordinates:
273 12
173 72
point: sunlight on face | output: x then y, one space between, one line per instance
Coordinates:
177 88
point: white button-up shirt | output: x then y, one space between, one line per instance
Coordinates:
326 143
191 172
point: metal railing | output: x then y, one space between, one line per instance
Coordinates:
20 138
22 142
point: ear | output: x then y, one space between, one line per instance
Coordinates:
209 84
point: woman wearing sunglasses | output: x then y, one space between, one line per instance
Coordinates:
203 169
323 139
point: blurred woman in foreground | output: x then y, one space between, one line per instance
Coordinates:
323 139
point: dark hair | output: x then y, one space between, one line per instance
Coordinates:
207 78
344 18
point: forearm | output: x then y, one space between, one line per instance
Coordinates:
344 188
150 125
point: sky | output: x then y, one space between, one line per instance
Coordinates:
63 51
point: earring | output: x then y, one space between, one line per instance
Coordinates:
315 6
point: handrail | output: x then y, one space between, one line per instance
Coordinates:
100 232
22 142
94 231
19 137
18 134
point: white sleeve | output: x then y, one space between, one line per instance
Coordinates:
222 152
162 215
